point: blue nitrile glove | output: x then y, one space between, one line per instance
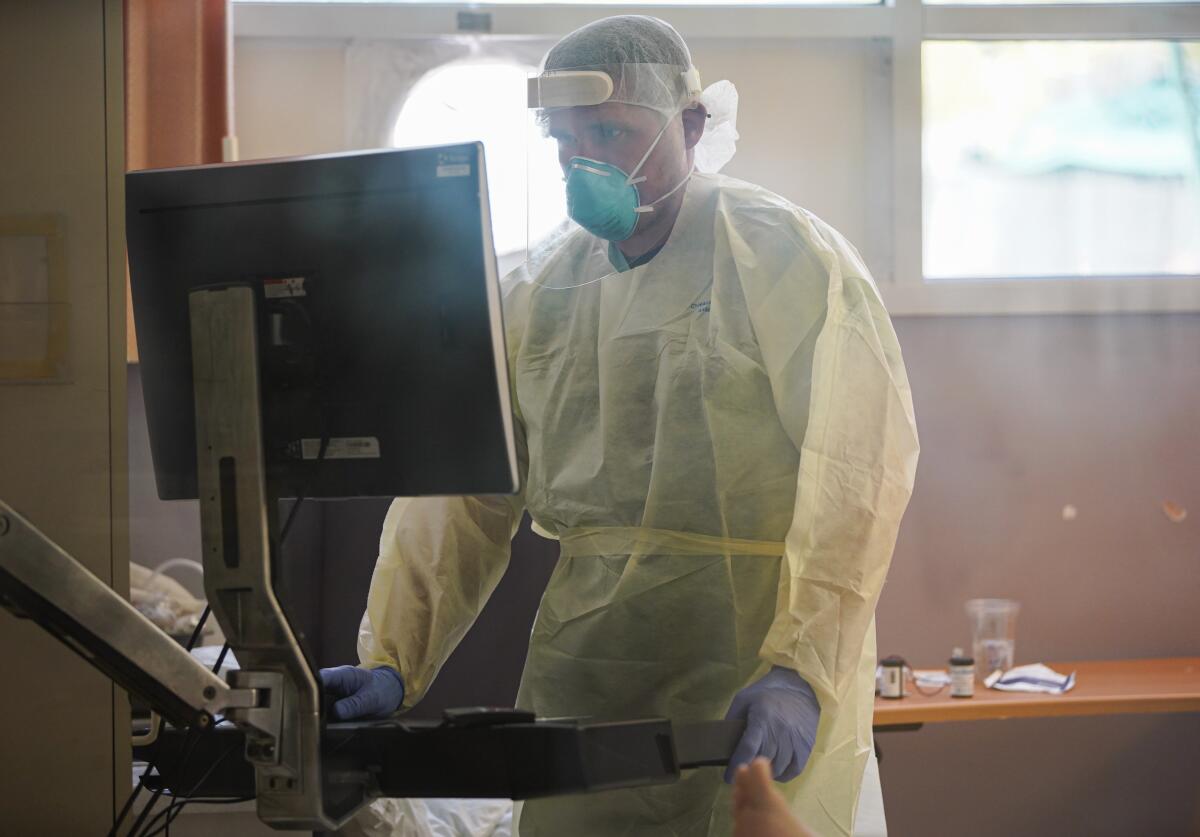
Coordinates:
781 714
362 692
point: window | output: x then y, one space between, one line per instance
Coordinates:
1063 159
485 101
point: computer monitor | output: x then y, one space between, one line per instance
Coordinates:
380 337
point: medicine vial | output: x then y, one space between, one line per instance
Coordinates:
962 675
893 677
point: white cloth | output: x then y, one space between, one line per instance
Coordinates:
719 142
166 602
432 818
207 656
1031 678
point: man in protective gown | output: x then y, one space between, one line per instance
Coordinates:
714 421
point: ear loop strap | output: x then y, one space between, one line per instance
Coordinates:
650 206
633 181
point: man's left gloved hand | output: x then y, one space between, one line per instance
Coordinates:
362 692
781 714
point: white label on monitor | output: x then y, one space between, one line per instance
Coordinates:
348 447
285 287
456 170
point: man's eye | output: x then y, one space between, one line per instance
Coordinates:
610 133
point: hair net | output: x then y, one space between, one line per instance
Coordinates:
618 40
637 60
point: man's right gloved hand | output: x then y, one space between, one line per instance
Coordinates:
362 692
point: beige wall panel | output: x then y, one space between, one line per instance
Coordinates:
56 439
288 98
119 318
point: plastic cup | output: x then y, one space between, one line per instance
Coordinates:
993 633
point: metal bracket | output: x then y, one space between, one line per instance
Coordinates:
283 724
265 715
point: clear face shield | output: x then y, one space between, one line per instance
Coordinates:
594 131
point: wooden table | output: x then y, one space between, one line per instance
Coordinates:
1101 688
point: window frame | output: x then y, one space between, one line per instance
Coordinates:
896 212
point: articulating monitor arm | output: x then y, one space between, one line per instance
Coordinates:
40 581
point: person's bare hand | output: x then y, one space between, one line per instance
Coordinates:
759 810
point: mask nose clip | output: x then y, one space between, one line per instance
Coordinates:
597 168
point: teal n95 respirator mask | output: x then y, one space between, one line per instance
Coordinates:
604 200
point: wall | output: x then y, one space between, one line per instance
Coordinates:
1019 416
289 97
62 444
817 151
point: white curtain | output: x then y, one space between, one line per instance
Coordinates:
381 73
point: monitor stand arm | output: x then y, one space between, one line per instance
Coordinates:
283 733
40 581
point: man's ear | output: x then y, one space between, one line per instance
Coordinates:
694 120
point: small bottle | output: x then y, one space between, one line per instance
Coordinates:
962 675
893 677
